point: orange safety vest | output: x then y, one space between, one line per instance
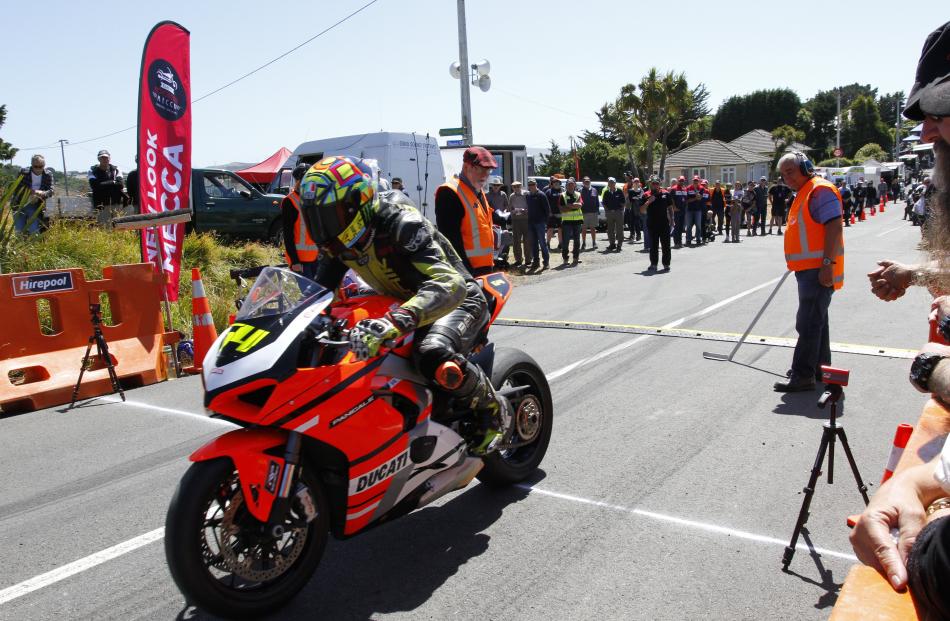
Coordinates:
307 250
805 238
477 234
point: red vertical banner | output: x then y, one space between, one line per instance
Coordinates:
577 161
164 143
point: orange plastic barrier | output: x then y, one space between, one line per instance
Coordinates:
865 593
40 370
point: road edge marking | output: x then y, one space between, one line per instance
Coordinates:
61 573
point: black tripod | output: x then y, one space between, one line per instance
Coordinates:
102 351
833 393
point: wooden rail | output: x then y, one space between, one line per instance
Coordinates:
865 594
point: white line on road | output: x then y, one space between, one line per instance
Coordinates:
88 562
158 408
896 228
712 528
673 324
61 573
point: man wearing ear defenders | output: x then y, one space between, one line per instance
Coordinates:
383 238
814 250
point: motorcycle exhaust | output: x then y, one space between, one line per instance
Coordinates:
450 480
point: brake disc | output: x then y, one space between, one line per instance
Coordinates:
528 418
254 556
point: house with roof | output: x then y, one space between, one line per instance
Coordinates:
717 160
762 142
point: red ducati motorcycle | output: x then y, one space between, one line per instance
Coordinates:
327 444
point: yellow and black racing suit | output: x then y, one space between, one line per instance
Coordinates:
408 259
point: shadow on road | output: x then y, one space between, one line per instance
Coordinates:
399 566
805 404
830 596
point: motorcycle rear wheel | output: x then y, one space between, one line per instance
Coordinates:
533 415
211 539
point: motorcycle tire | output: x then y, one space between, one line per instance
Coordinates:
533 414
187 550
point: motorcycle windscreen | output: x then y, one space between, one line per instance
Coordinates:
274 300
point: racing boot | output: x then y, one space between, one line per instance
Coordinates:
472 390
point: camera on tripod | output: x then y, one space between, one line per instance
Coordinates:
831 375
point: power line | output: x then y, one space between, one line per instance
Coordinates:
543 105
231 83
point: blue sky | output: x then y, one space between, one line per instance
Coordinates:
73 66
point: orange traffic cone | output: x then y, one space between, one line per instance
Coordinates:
901 436
873 210
852 218
203 331
861 216
883 202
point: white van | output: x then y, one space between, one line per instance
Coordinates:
412 157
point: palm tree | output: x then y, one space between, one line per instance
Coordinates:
648 113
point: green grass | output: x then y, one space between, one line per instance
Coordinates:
77 244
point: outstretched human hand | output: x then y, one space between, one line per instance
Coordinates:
891 280
897 504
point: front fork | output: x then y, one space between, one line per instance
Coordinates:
282 503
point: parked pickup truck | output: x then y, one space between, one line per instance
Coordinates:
224 203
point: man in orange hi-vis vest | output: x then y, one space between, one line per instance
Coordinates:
300 251
814 250
463 215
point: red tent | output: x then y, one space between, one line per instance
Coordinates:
266 170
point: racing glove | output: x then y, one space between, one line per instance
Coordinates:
369 335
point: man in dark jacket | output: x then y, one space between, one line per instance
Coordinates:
33 186
613 199
761 205
539 212
106 182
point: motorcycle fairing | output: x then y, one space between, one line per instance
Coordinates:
275 360
258 471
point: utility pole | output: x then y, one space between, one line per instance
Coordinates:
465 78
62 152
838 136
897 131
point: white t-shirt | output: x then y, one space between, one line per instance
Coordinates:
920 207
36 181
942 472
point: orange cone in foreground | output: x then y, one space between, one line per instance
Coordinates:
901 436
883 202
203 331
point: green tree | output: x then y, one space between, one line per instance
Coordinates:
599 159
649 111
889 105
870 151
783 137
555 161
864 125
694 125
7 150
818 118
764 109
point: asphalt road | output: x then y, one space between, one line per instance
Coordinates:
669 491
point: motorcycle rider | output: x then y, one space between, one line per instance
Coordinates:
383 238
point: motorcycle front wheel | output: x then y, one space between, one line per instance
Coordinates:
532 413
224 560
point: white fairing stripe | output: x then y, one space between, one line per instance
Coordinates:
262 359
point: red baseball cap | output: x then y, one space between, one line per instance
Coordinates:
479 156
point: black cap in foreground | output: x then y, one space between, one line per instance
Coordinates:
931 91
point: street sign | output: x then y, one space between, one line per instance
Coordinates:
838 152
452 131
455 143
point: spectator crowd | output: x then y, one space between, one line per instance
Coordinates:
561 216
